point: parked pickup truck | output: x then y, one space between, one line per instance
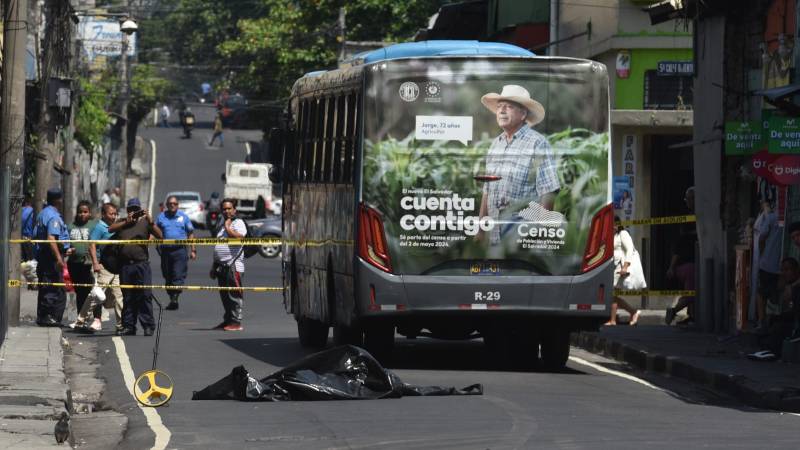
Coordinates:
249 184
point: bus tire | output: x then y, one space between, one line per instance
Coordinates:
379 341
555 350
312 333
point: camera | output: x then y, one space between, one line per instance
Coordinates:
137 214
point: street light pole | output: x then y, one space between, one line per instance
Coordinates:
123 134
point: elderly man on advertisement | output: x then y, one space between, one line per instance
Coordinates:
520 166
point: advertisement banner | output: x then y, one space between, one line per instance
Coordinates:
103 37
743 138
623 197
784 134
507 167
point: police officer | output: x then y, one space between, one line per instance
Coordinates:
50 261
175 224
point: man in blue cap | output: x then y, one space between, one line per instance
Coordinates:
175 224
50 261
135 268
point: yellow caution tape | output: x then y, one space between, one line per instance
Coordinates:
201 241
19 283
668 220
653 293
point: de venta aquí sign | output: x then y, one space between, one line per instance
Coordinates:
743 138
783 134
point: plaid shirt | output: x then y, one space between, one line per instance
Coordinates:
527 168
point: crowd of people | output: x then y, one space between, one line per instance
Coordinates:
99 270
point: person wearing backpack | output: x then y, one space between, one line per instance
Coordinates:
228 267
102 274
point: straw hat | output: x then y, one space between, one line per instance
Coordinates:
519 95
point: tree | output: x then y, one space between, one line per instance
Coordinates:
92 120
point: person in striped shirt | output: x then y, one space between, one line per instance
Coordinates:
228 267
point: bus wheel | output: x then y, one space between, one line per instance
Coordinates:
555 350
379 341
312 333
347 335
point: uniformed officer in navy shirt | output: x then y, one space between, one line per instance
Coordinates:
175 224
50 260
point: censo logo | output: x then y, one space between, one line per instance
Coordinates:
409 91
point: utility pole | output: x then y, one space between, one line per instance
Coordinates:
123 113
12 132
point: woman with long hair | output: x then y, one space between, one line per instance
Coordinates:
628 273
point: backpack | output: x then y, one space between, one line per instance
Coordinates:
247 250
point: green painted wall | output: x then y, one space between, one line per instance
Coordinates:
629 92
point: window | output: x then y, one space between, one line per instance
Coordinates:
667 92
338 136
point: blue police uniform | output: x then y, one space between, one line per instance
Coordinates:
174 258
51 300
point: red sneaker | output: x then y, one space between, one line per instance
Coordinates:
233 327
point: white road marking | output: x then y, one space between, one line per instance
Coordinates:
152 175
151 415
153 418
600 368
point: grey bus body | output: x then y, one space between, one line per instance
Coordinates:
329 284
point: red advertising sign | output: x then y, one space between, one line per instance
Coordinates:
783 170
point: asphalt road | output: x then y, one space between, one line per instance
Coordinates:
584 407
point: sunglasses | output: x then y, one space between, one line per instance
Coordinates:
172 203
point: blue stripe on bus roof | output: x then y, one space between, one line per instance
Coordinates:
441 48
432 48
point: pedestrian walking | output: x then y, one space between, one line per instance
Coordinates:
175 224
628 273
51 300
782 321
217 131
106 197
164 115
79 262
768 238
113 294
228 267
135 268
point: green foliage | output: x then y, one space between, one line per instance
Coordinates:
91 120
147 89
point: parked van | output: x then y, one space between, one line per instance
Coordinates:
249 184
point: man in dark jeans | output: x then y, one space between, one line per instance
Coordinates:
50 226
135 268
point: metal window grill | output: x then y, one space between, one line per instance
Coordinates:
667 92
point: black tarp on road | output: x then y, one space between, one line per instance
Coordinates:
340 373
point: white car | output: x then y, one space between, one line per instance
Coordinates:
191 203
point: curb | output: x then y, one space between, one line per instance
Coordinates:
741 387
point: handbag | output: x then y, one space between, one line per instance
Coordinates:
97 293
110 258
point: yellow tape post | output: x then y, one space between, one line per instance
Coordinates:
668 220
654 293
20 283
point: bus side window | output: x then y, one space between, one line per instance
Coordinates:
349 142
302 143
356 135
325 145
330 139
338 139
319 123
308 167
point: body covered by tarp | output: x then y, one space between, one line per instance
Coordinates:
341 373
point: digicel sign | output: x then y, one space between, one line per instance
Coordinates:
782 170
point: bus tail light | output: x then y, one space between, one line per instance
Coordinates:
600 246
372 240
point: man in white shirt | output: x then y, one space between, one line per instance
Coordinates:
228 267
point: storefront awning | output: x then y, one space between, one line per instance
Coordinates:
782 97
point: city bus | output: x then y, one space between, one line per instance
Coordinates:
411 206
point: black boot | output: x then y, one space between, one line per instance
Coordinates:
173 303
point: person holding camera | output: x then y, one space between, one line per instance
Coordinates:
228 267
135 268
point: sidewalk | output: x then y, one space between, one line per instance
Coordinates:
717 362
33 388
